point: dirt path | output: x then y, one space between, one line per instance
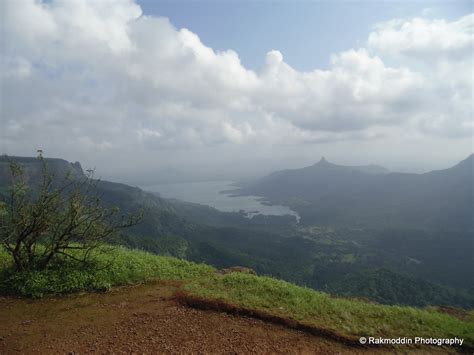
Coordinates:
142 319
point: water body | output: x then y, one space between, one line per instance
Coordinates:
209 193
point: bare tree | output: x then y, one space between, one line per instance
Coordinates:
57 218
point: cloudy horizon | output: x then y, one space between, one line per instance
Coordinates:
118 86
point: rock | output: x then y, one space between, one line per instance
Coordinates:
242 269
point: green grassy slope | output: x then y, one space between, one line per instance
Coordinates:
116 266
342 316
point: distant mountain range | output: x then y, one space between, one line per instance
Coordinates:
163 217
383 264
331 194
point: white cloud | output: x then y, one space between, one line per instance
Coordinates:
443 52
85 76
420 36
358 92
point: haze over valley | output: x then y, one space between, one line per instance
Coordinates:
236 176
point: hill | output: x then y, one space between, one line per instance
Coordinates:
434 265
343 320
329 194
163 218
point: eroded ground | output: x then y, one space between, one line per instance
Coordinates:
143 319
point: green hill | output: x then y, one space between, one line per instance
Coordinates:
267 297
420 267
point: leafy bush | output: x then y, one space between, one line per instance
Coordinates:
58 214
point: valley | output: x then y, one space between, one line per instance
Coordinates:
236 177
215 195
384 263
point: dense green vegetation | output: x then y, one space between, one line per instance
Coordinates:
388 266
343 316
401 266
387 287
113 266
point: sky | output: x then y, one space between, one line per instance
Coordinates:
147 91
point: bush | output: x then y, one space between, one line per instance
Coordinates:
53 216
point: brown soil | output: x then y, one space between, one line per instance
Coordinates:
221 306
145 319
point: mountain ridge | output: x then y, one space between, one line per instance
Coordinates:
274 246
369 169
326 193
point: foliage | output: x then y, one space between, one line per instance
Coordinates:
387 266
388 287
59 216
392 266
112 267
346 316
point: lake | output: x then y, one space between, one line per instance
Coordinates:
209 193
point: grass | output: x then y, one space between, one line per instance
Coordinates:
317 309
275 297
124 266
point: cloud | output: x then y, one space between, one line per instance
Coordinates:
100 76
422 37
357 93
443 52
